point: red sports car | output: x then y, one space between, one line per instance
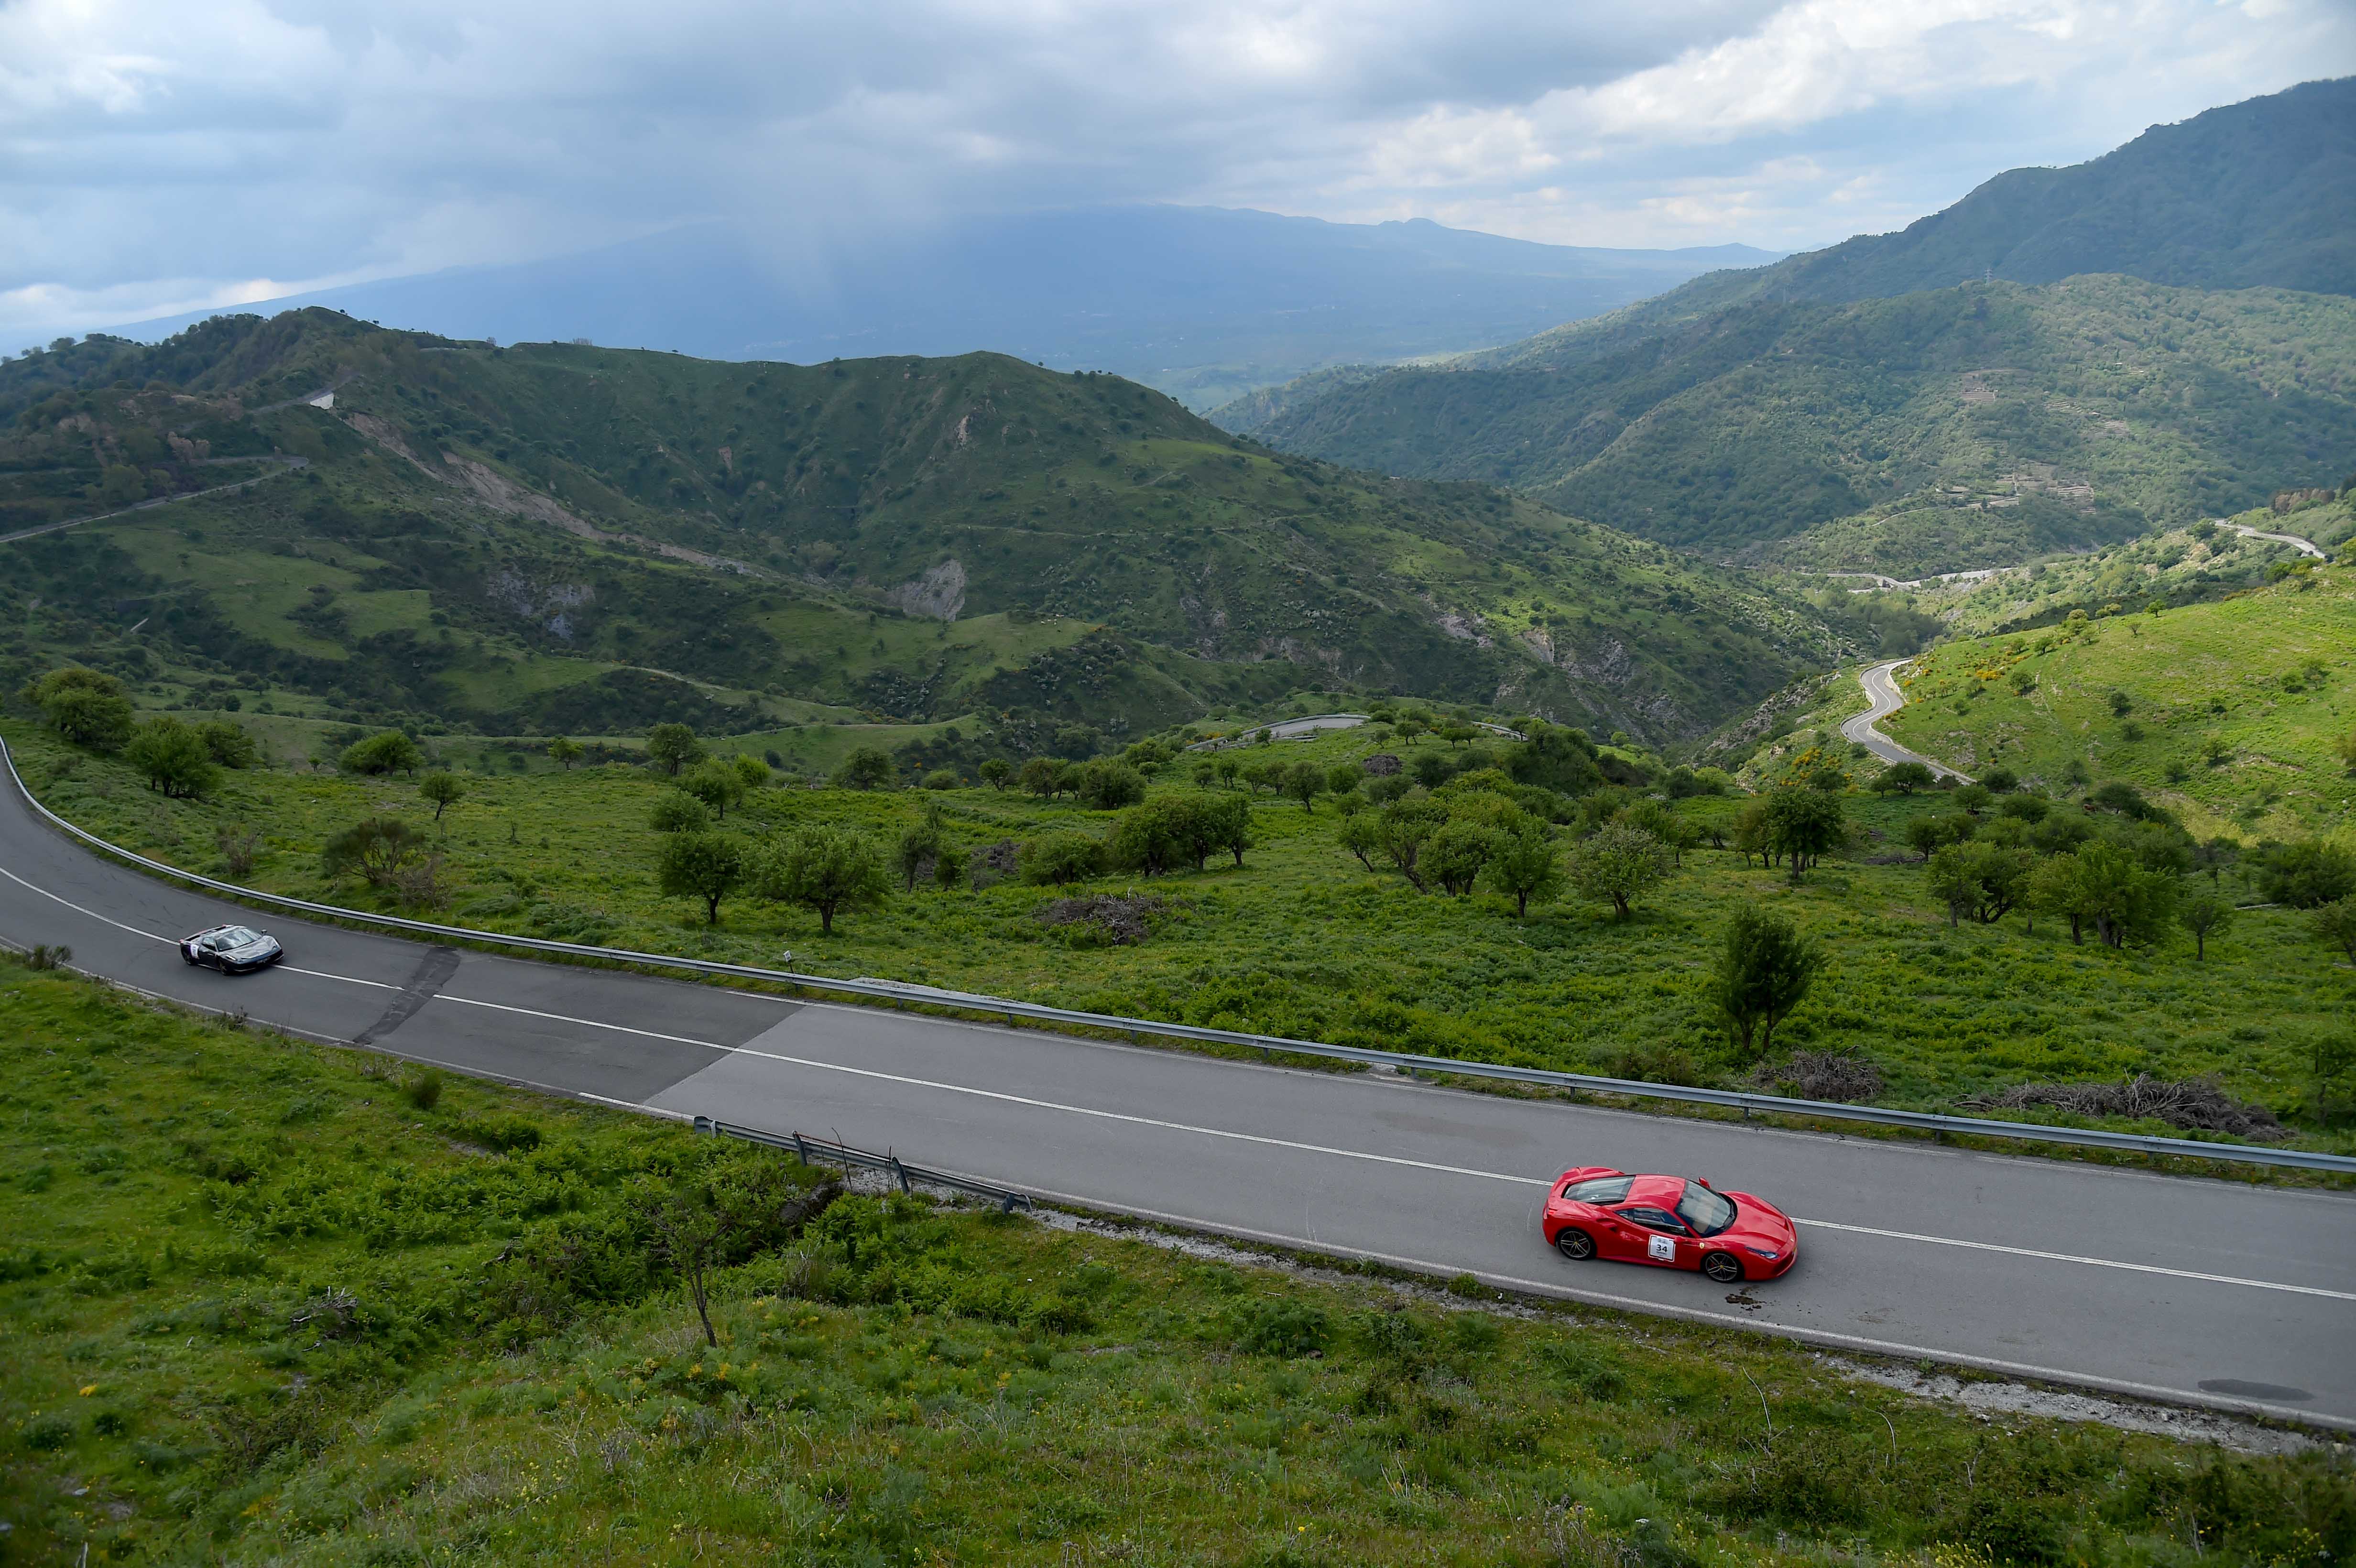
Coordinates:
1594 1212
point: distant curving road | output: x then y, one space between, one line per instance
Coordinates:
2304 546
1881 688
2194 1291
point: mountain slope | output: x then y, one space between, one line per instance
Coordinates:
576 537
1204 303
2260 194
2064 414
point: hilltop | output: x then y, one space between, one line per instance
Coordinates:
550 537
1962 428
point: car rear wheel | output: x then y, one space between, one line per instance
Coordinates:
1575 1244
1723 1268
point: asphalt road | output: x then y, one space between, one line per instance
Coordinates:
2204 1291
1881 689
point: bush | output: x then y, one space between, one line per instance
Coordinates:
389 753
85 707
944 778
2307 874
378 847
424 1091
869 767
1281 1328
1060 858
1109 786
173 757
677 812
228 745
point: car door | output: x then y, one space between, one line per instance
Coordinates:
1658 1237
1619 1237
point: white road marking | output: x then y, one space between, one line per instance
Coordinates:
2092 1263
1224 1132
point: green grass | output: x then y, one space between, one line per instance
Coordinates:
2234 674
1302 942
261 1307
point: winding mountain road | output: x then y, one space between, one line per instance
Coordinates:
2194 1291
1881 683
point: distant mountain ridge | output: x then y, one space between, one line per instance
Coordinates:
556 536
1927 425
1203 302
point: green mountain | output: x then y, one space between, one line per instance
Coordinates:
557 537
2260 194
1954 428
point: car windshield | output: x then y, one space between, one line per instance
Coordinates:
236 937
1598 1189
1708 1212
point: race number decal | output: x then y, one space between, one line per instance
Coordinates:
1661 1249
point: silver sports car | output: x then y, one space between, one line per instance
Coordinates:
232 949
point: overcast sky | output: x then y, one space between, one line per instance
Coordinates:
159 155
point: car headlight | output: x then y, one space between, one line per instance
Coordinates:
1761 1252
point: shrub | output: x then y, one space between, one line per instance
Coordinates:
378 847
173 758
672 747
1060 858
1103 919
676 813
869 767
718 785
424 1091
389 753
1903 777
85 707
1619 864
2307 874
229 744
1109 786
826 871
1282 1327
944 778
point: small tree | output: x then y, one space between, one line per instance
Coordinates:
995 772
2335 923
1060 858
1619 863
1227 826
1764 970
676 813
1109 785
85 707
229 744
1228 767
391 752
173 756
1524 866
1903 777
716 784
1803 824
1041 776
1456 855
672 747
707 865
1303 782
380 849
692 1237
751 769
563 750
442 787
922 843
869 767
2207 912
827 871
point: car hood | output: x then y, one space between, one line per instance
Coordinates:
1759 1224
257 946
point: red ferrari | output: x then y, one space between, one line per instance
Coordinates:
1594 1212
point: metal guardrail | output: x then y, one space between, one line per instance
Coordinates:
830 1151
904 995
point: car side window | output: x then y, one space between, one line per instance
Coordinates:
1655 1220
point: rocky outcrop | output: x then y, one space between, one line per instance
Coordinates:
939 593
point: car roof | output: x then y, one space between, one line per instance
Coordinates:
1661 1191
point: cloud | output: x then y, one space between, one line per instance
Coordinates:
163 151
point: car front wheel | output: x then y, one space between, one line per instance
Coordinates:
1575 1244
1723 1268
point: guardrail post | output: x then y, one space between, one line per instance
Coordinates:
901 1172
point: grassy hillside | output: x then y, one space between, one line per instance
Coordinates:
1302 939
271 1303
1955 429
2229 711
548 537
